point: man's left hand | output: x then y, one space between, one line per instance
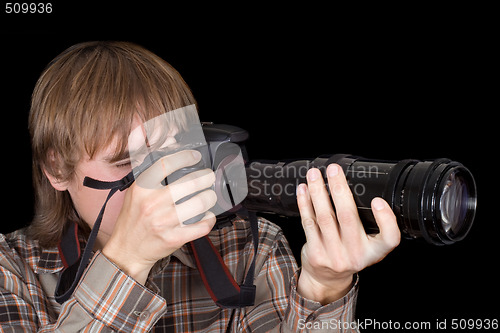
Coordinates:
337 245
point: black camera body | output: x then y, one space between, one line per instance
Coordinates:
222 150
434 199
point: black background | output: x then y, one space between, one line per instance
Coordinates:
391 84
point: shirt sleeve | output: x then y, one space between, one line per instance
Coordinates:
105 300
109 297
305 315
280 308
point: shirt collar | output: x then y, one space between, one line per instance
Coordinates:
185 255
49 261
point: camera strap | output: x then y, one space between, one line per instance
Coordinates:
215 275
74 262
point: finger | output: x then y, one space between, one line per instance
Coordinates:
307 214
190 232
345 206
198 204
389 234
324 214
191 183
153 176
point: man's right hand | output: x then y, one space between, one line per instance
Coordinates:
149 226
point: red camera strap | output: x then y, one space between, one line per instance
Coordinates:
216 277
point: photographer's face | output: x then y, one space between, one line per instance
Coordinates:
103 166
88 201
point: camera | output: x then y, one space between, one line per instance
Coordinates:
433 199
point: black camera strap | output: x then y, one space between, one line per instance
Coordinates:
75 263
215 275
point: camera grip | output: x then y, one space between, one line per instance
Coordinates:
179 174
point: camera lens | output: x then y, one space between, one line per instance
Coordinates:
435 200
453 203
457 203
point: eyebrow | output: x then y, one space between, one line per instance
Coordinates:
121 156
126 153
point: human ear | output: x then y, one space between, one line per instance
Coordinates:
56 182
54 174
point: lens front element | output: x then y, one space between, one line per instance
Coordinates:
457 203
453 203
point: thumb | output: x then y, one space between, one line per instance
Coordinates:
386 222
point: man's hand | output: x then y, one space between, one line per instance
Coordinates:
337 246
149 226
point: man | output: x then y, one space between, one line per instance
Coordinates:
142 275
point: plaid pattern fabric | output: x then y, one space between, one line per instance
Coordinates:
174 298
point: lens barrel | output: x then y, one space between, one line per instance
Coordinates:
435 199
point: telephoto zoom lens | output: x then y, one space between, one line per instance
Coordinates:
435 199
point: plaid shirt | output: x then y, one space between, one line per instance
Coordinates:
174 298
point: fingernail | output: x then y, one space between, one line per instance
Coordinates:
196 154
313 174
332 170
378 204
301 189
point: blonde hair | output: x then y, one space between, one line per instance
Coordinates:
86 97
